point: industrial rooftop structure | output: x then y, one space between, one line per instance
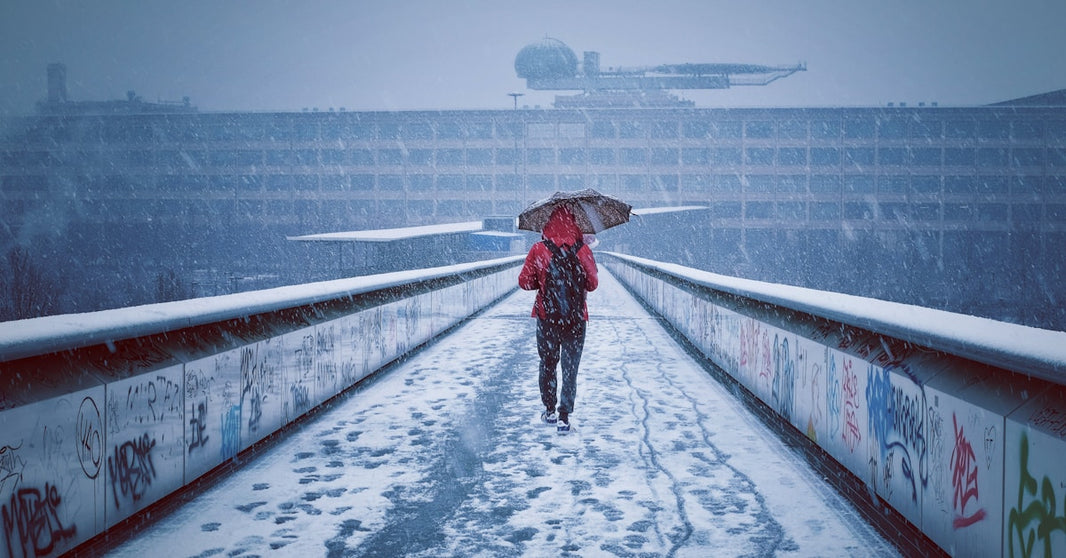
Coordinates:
551 65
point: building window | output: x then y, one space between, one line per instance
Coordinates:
759 210
825 130
825 157
630 130
760 183
792 156
420 156
925 185
696 129
601 156
726 210
479 130
759 155
363 182
479 182
479 157
360 157
896 185
634 182
664 156
859 184
695 156
572 182
449 130
891 155
1027 157
666 182
958 129
924 156
571 156
892 128
453 157
664 130
420 182
958 157
862 156
506 156
571 130
390 157
540 156
450 182
390 183
542 130
634 156
825 211
992 157
727 156
417 130
603 129
729 129
759 130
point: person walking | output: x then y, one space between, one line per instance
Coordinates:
562 270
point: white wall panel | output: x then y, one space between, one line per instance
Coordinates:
145 457
52 461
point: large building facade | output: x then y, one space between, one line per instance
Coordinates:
962 208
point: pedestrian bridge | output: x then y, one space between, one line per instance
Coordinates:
397 415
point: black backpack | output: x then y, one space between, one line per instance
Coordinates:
564 285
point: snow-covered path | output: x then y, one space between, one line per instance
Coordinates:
444 455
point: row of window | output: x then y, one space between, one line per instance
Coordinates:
797 211
985 157
891 212
915 187
997 126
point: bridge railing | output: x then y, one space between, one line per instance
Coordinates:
105 413
957 422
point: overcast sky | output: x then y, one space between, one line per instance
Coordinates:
422 54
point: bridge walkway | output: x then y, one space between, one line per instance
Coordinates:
444 455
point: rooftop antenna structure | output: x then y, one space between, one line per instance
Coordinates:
551 65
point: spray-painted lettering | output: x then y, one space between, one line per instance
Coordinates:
89 441
1033 519
850 390
31 522
198 427
964 480
131 469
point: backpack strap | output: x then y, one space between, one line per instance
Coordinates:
557 251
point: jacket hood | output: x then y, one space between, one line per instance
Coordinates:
561 227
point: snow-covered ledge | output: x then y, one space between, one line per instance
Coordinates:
104 413
957 422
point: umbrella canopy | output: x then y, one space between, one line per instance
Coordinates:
592 210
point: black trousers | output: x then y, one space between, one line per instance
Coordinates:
564 340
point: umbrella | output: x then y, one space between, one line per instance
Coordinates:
592 210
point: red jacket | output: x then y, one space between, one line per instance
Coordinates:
562 231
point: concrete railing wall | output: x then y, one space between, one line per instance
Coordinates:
103 414
957 422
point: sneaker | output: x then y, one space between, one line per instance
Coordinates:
549 417
563 425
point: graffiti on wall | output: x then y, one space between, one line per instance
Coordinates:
89 440
253 388
32 523
965 499
897 425
131 469
784 377
1035 516
849 392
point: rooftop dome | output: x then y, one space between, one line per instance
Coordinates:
549 58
